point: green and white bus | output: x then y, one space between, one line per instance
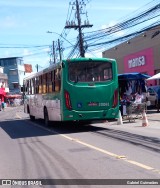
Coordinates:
80 89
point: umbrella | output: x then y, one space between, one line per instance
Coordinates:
132 76
155 77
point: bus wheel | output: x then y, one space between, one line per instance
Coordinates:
46 118
32 118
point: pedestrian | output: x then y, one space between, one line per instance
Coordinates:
138 98
3 105
0 104
158 100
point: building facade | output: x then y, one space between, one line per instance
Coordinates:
14 69
139 54
3 84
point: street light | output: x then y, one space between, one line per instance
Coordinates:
59 48
59 35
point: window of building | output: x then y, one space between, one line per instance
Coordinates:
15 85
1 63
13 72
11 62
19 61
5 63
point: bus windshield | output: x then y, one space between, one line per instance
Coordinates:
90 71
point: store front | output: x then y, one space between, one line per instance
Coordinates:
139 54
141 61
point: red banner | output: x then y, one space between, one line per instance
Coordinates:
28 68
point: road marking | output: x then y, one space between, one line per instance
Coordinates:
18 116
112 154
140 165
120 157
90 146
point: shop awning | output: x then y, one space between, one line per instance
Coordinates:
132 76
13 96
155 77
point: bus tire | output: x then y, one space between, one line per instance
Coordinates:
32 118
155 103
46 118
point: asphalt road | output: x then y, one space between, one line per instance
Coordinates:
98 153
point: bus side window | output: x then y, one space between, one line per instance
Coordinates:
44 82
40 84
49 82
33 85
37 84
27 87
29 92
53 80
58 80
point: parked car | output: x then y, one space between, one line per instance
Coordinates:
152 95
155 87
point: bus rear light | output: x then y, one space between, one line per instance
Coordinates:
115 98
67 100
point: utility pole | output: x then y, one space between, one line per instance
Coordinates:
54 49
37 67
54 55
79 25
59 48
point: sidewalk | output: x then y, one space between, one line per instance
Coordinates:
152 130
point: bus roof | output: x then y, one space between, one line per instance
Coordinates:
81 59
45 70
88 59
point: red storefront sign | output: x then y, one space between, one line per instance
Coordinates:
141 62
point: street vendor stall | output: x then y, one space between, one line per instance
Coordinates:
13 99
132 83
133 93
